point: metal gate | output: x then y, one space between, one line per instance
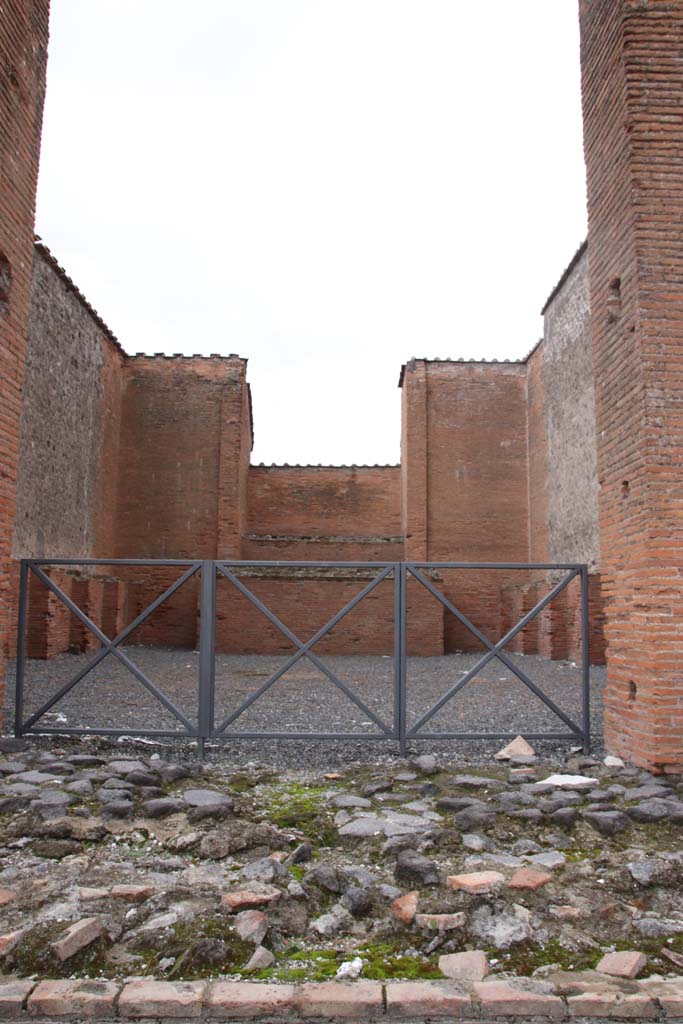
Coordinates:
393 727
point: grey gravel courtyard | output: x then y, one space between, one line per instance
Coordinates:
303 700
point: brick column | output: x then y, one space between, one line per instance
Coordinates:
23 58
234 453
632 80
414 460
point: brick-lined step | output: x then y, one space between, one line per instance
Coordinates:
588 995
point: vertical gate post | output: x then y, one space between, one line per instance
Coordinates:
21 649
207 654
402 643
397 650
585 660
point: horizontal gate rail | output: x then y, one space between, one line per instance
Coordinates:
231 571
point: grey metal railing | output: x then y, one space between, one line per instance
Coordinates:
209 570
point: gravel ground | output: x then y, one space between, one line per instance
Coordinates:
305 701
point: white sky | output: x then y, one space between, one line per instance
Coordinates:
327 187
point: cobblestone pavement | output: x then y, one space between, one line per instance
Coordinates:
304 700
526 886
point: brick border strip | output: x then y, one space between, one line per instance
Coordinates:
590 996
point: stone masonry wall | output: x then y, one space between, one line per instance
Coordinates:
563 484
23 58
64 446
70 425
571 471
632 81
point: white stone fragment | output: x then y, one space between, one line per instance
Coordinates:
567 781
350 968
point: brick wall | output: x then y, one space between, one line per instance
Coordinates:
174 442
472 463
235 443
109 416
324 513
174 623
414 459
52 629
180 437
537 443
306 600
23 58
180 460
556 631
632 81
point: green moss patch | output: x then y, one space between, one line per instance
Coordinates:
303 807
202 948
381 960
525 957
34 955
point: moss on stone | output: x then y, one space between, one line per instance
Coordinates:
34 955
301 806
202 948
390 960
526 957
381 960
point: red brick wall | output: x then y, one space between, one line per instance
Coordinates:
414 459
246 445
324 513
556 631
538 459
181 452
23 58
180 437
108 451
48 619
234 451
174 623
632 81
306 602
52 629
474 466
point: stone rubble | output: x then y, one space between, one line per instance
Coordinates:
455 890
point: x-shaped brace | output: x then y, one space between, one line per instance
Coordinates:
304 650
494 651
111 647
